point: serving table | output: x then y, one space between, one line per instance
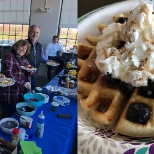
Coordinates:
59 133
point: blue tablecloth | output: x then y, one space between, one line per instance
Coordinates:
59 134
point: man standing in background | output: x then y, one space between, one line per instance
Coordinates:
51 53
36 55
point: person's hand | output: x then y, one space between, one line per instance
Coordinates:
29 66
27 85
2 75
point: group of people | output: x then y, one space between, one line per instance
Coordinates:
25 52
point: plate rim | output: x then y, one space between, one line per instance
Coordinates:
102 8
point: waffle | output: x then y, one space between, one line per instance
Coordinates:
5 81
108 104
94 91
129 128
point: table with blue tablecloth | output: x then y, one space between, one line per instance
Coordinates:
59 133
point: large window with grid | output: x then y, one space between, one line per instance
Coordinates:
68 24
10 33
14 22
68 38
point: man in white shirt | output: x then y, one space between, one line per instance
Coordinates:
51 54
53 47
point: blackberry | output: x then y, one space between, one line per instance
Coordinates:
121 20
126 88
139 113
111 80
148 91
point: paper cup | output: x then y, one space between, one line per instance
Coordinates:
55 106
22 134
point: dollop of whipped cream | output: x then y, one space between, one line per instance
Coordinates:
134 62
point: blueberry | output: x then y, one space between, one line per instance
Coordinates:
111 80
121 20
147 91
121 44
126 88
139 113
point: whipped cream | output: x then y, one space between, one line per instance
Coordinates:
134 62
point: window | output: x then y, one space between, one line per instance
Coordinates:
68 38
14 22
10 33
68 24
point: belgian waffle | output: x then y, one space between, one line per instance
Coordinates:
108 104
126 127
94 91
5 81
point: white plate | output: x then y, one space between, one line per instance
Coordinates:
28 69
93 137
38 88
63 101
53 88
87 24
63 91
4 83
52 63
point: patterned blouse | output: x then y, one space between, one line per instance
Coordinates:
11 68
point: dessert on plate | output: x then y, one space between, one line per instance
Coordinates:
52 63
29 68
116 73
4 82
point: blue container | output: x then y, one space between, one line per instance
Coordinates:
28 97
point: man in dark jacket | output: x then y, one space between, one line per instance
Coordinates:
36 55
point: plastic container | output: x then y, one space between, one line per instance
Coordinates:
26 122
54 106
40 125
40 99
15 136
63 101
72 84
